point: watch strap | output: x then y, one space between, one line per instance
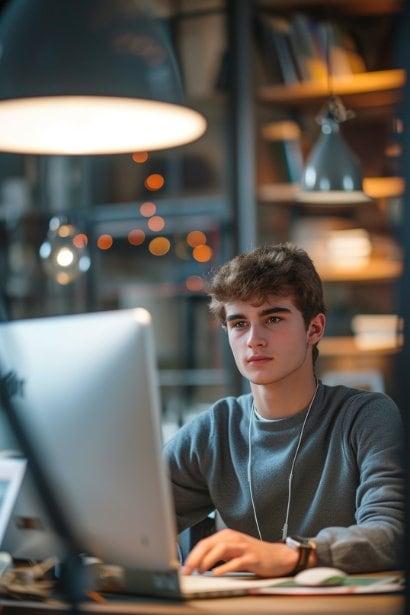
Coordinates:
304 548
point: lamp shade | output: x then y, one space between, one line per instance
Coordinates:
89 77
332 172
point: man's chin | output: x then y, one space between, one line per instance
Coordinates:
262 379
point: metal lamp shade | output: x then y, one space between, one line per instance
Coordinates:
332 172
89 77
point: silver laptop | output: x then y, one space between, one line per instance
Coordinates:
88 393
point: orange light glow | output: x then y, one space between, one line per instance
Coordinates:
148 209
104 242
194 283
140 157
155 181
65 230
196 238
136 237
159 246
80 240
156 223
202 253
63 278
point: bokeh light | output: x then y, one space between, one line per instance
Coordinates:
148 209
64 257
194 283
140 157
65 230
196 238
159 246
64 253
104 242
136 237
156 223
80 240
63 278
202 253
155 181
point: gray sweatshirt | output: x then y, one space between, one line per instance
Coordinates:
347 490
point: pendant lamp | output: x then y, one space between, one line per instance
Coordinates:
89 77
332 173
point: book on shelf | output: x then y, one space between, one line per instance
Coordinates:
344 57
308 50
311 63
278 51
285 149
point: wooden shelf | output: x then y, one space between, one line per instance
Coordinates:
378 270
375 188
346 7
347 346
383 187
375 88
278 192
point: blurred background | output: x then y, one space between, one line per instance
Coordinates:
94 233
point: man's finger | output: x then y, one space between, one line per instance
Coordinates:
222 551
198 553
237 564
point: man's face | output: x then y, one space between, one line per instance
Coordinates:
270 341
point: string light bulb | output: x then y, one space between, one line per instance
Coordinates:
63 256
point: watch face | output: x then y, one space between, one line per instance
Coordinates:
301 540
292 542
298 542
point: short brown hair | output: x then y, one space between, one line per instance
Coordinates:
279 269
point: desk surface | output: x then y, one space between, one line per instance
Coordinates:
387 604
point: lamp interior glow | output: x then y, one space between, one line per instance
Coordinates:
90 77
95 125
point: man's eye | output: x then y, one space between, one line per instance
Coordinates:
239 324
273 320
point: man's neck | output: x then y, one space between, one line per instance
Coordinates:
285 398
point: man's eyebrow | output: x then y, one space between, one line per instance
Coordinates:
271 310
235 317
275 310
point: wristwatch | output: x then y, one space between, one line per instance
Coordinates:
305 546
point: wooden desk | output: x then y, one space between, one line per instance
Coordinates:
388 604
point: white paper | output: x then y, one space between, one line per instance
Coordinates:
11 476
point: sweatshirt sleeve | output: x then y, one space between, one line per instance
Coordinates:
184 455
373 441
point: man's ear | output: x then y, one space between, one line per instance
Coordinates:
316 329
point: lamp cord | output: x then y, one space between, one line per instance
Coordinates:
329 84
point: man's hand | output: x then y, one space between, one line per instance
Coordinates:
241 552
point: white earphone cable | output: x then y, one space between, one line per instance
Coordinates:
250 471
249 468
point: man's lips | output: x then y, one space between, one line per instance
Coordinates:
258 359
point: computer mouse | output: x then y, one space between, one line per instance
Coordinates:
320 576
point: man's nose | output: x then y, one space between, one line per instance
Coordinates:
256 337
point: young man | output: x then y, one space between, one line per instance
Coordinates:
301 473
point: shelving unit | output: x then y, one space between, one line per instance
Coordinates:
292 107
376 271
375 188
376 88
349 7
345 346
